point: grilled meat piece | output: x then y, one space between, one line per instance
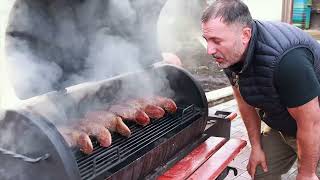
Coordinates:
76 138
154 112
151 110
94 129
166 103
110 121
131 114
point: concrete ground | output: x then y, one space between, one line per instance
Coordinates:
238 130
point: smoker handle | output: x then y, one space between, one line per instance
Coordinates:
223 115
23 157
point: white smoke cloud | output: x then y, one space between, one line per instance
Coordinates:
103 52
73 34
56 44
39 77
94 40
49 36
179 23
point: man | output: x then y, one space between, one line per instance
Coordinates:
273 67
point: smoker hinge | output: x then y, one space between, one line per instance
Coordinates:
23 157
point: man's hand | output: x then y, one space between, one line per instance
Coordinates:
257 157
301 176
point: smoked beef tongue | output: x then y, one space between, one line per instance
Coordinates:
131 114
110 121
93 129
153 111
166 103
76 138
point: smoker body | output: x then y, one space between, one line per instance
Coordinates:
31 131
34 137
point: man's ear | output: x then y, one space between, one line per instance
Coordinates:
246 35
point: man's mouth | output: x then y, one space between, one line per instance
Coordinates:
219 59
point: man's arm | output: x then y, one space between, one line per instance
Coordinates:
253 125
299 92
307 117
250 119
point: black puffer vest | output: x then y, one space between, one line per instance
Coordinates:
270 42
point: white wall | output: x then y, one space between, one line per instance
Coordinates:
7 96
5 7
265 9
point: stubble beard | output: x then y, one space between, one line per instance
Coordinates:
234 58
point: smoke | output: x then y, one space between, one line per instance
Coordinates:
179 23
101 63
51 45
40 76
54 44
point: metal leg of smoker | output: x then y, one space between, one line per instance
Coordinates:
226 171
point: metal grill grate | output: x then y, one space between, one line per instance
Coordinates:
103 159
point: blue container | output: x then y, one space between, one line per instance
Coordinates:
301 13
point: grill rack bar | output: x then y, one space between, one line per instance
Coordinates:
103 159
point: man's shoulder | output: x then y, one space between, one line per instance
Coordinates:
296 79
302 55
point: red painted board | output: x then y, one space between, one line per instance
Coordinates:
185 167
219 160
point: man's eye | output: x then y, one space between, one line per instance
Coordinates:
217 41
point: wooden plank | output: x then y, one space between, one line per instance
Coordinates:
185 167
219 160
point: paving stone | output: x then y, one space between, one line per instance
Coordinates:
246 175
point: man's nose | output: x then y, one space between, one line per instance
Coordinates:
211 50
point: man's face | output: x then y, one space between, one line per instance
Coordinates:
226 43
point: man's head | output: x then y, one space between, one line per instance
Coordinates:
226 26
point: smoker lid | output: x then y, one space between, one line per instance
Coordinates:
67 42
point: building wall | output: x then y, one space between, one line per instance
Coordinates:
7 95
265 10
